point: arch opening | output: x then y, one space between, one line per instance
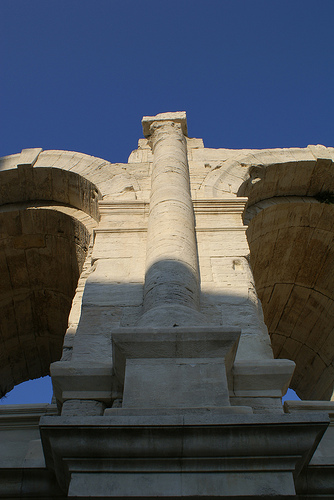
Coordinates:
292 256
42 252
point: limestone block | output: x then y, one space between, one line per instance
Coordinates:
194 143
178 367
260 405
262 378
122 270
77 407
229 271
119 245
74 381
210 154
48 158
123 184
123 214
140 156
205 270
254 344
130 316
175 383
319 151
29 156
177 117
9 162
180 484
219 214
34 456
113 294
92 339
222 243
232 291
115 282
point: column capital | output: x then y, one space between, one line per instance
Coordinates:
177 117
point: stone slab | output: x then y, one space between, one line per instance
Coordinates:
120 447
178 117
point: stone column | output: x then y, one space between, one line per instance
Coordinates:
171 292
172 361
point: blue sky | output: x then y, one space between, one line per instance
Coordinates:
79 75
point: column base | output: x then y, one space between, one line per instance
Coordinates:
174 368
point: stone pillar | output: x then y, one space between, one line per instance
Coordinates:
172 361
171 291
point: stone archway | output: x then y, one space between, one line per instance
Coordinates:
292 256
291 239
47 216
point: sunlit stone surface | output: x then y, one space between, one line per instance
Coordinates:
176 298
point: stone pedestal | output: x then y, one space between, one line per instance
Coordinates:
174 369
171 409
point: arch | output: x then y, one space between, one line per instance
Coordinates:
273 172
28 184
47 217
42 252
291 239
292 256
110 179
49 206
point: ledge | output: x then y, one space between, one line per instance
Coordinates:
117 450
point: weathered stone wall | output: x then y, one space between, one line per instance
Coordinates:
172 281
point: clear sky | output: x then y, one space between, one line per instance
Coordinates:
79 75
